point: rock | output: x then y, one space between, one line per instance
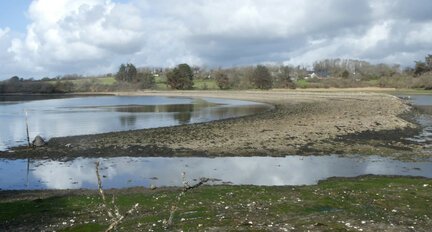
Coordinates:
38 141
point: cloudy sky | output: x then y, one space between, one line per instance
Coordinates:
54 37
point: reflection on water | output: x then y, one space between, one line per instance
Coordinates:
424 104
19 98
128 172
195 104
425 136
419 100
92 115
128 120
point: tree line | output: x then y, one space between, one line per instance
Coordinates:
324 73
182 76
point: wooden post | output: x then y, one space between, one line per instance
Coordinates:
27 129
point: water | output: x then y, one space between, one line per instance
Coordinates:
419 100
124 172
93 115
424 104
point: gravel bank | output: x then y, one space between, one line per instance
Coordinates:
301 123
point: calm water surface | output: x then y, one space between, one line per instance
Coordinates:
424 104
419 100
92 115
128 172
102 114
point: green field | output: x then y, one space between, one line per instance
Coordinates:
100 80
199 84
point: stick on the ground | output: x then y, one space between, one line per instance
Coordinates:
121 217
201 182
101 192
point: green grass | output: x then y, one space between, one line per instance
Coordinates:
160 82
199 84
86 228
207 84
302 84
371 203
106 80
99 80
372 83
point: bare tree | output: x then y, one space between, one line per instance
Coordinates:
222 79
261 77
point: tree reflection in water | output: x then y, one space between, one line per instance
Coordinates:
182 113
128 120
94 115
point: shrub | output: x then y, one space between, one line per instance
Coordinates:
146 80
180 77
222 80
283 78
261 78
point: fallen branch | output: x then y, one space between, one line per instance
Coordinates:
201 182
186 188
121 217
101 192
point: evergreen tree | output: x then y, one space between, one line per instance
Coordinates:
127 73
180 77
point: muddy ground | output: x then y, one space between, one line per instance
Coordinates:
301 123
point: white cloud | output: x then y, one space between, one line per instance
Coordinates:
3 32
94 36
64 33
292 170
420 35
7 64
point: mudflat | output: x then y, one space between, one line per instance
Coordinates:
300 123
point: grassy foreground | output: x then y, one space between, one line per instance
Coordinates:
367 203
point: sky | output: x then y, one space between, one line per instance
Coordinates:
40 38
